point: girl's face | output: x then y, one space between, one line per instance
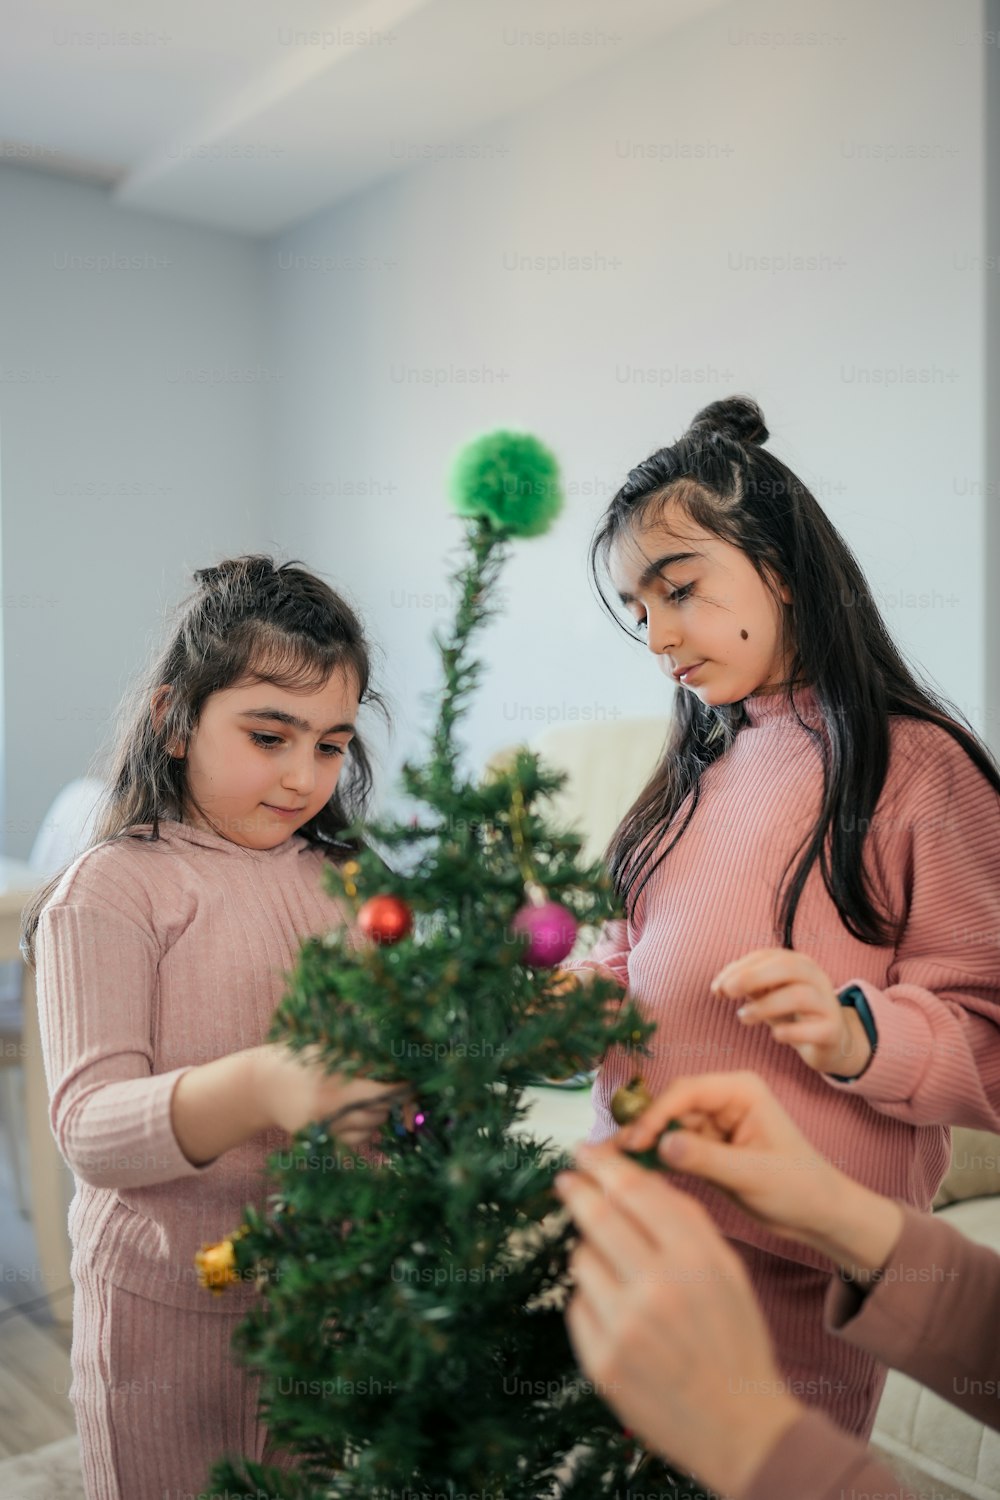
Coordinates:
701 604
263 760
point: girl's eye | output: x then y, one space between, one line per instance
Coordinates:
676 596
272 741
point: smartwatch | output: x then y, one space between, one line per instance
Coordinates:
853 997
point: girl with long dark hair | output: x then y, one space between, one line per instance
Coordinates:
161 954
811 877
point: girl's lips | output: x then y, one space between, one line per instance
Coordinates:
689 671
287 812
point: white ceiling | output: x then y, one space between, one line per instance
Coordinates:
251 115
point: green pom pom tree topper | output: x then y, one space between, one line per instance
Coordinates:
510 480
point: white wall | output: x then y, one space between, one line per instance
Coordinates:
134 400
222 394
761 146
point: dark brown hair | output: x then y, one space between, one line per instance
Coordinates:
248 619
720 477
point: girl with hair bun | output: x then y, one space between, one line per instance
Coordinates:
161 955
811 876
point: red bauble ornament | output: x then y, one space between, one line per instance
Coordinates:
550 930
385 919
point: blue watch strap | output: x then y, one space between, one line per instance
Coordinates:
853 997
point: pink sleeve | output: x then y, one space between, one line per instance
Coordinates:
815 1458
110 1114
937 1061
609 955
934 1313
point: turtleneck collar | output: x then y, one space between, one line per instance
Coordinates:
763 709
189 833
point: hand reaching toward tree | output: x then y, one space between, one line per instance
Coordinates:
665 1323
736 1134
298 1089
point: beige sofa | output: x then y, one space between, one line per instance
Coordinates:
935 1448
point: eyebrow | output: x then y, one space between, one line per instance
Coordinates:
278 716
666 561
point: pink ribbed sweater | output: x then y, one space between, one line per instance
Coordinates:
935 997
151 959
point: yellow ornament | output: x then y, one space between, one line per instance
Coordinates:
216 1265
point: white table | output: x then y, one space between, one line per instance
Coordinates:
564 1115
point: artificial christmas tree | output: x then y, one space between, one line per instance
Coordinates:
410 1334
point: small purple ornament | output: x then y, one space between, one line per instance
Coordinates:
550 930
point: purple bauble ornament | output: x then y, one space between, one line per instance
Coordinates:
550 930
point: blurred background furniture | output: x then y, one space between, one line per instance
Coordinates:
606 766
52 1472
24 1104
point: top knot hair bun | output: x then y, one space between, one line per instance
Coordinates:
737 417
249 571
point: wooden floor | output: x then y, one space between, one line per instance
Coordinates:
34 1351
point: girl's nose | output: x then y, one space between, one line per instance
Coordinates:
660 638
301 775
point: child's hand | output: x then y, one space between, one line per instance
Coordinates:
297 1090
795 997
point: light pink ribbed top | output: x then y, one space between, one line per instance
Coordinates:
151 959
935 997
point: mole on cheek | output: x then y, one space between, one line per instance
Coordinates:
743 634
